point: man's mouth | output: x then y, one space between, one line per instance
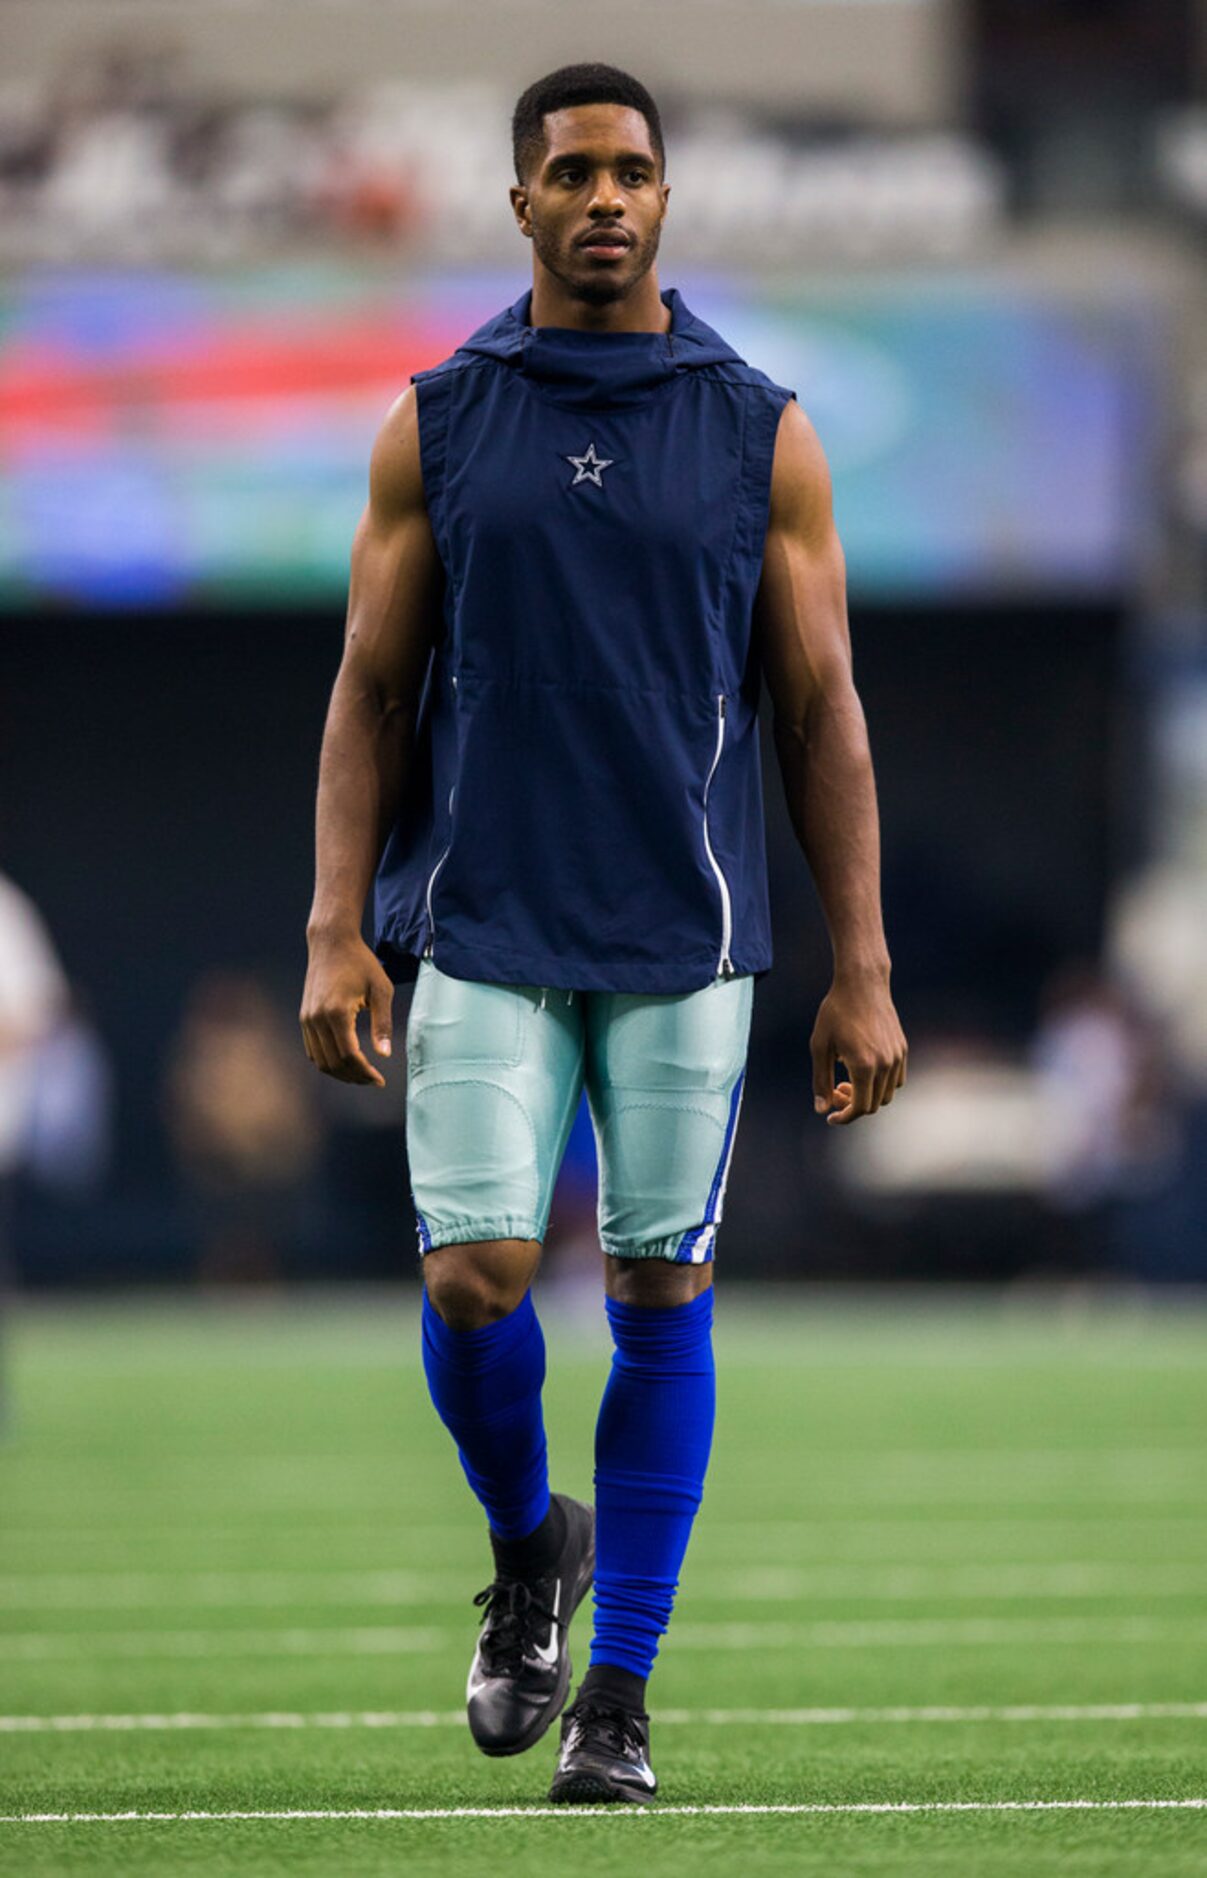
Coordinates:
605 244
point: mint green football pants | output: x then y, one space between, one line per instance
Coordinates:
494 1077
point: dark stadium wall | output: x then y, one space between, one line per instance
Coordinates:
164 768
158 779
998 735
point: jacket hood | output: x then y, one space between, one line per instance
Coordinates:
599 369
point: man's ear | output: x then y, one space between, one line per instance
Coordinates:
519 207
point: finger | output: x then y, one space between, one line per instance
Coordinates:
353 1062
844 1097
344 1060
865 1090
322 1052
354 1066
903 1069
862 1090
381 1014
886 1085
823 1073
314 1049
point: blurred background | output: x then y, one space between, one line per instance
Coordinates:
972 234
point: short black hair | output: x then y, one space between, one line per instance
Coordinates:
561 91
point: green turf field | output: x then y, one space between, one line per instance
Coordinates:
950 1560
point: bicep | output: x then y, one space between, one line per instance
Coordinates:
396 588
800 614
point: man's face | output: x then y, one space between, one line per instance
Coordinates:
595 204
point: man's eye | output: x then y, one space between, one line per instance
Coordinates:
637 176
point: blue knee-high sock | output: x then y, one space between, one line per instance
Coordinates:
486 1385
651 1451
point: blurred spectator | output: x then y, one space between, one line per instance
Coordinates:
1158 940
70 1129
241 1118
125 155
1101 1082
33 992
33 997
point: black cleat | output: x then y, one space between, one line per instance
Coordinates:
520 1676
604 1757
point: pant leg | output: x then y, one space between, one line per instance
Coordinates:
665 1077
494 1074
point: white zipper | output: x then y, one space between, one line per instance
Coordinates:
724 963
431 881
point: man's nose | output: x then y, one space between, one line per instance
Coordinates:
606 198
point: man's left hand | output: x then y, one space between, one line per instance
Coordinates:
858 1027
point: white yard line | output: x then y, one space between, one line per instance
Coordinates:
873 1459
926 1632
886 1477
613 1812
137 1590
857 1581
848 1582
883 1533
292 1721
395 1640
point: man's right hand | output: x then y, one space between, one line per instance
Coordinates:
344 978
395 603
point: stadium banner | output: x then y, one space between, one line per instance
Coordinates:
170 437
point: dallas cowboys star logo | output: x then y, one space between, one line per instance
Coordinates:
590 468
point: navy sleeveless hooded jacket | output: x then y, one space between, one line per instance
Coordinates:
585 807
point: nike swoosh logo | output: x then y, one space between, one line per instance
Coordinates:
476 1682
548 1652
645 1773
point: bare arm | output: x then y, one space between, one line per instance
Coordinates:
826 766
393 606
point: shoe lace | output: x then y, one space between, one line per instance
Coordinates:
508 1621
614 1728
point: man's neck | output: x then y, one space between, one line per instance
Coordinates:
641 311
